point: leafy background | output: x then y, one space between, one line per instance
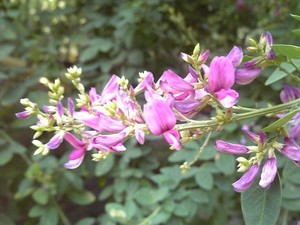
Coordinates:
143 185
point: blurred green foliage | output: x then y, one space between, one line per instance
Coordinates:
143 185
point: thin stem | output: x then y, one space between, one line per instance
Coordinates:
212 123
147 220
201 149
61 214
241 108
285 217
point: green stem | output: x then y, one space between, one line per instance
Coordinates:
147 220
201 149
285 217
212 123
61 214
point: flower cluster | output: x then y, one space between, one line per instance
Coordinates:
263 152
102 122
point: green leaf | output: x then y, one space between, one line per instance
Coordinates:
290 190
297 17
6 50
86 221
41 196
81 197
225 163
49 217
131 209
5 156
291 204
290 51
199 196
262 206
291 172
37 211
169 206
279 74
104 166
144 196
279 123
161 217
204 179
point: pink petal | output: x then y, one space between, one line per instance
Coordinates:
221 74
227 98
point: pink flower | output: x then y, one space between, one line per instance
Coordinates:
110 142
100 122
227 147
289 93
268 173
173 137
172 83
23 115
221 74
77 155
220 80
55 141
235 56
246 180
159 116
246 75
291 150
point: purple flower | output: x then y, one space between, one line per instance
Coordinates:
71 107
291 149
110 142
173 138
289 93
139 135
230 148
60 109
55 141
75 158
247 179
147 80
159 116
227 98
23 115
172 83
268 173
221 74
235 56
220 80
246 75
267 39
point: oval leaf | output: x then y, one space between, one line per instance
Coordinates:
278 74
279 123
204 179
262 206
290 51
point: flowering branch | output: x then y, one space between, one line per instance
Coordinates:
102 123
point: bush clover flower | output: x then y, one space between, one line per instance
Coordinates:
251 167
